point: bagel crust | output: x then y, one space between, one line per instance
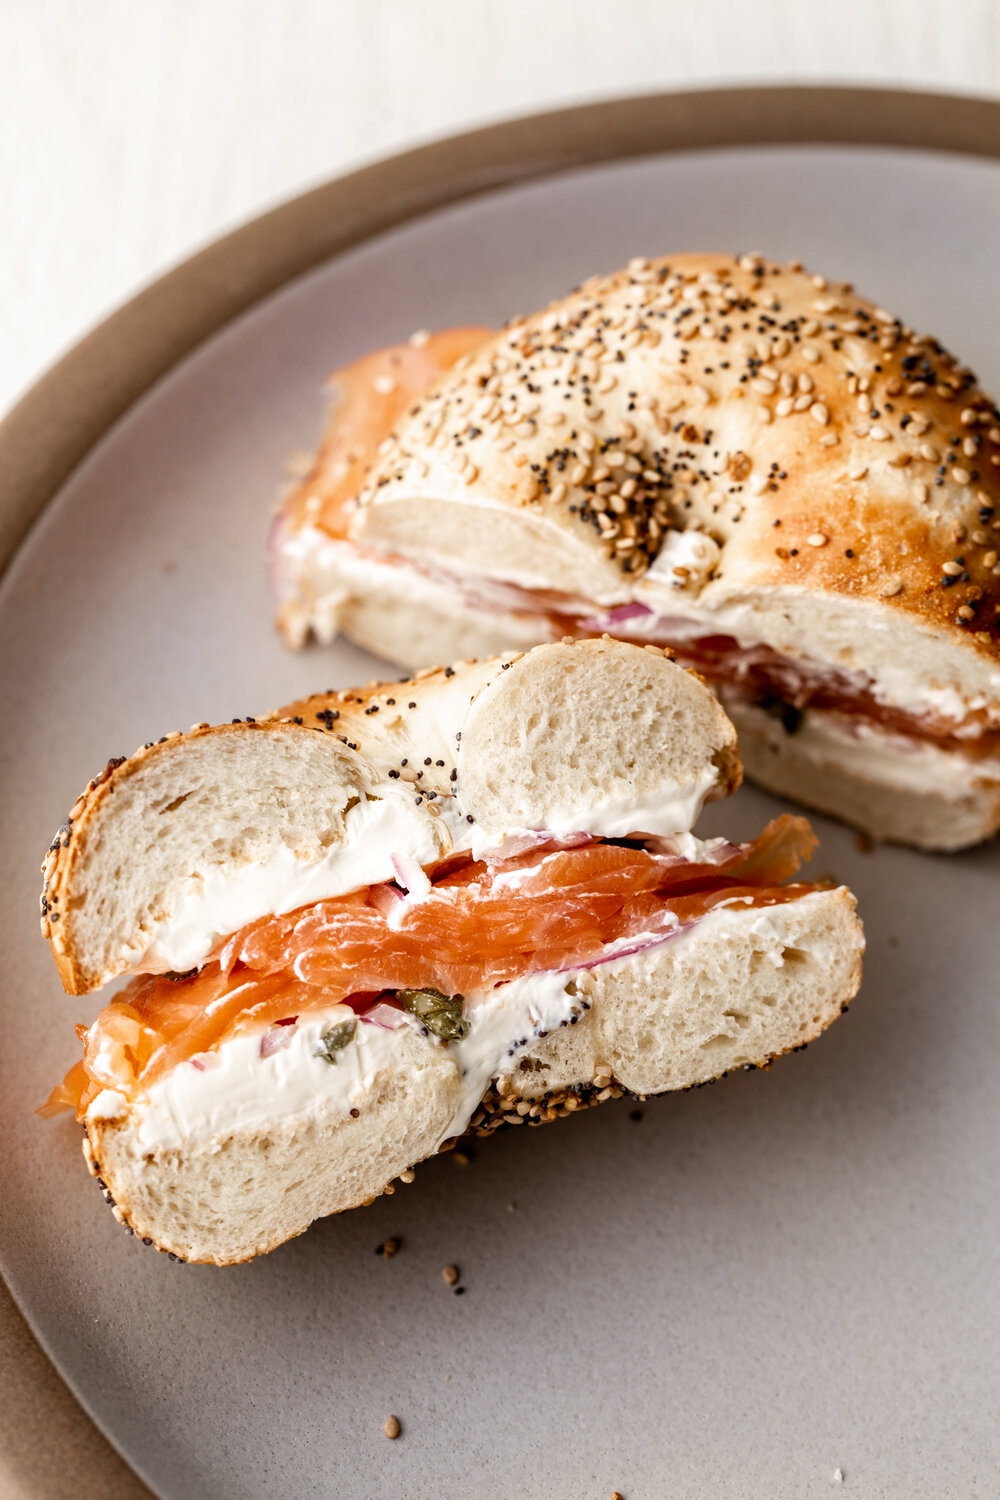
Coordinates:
736 443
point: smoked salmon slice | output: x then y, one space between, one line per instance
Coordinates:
369 398
482 923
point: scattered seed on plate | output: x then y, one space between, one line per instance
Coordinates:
450 1274
391 1427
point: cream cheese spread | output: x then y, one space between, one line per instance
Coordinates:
873 754
237 1087
319 574
218 902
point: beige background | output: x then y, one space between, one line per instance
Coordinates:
131 133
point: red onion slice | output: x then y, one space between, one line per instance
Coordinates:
618 616
277 1037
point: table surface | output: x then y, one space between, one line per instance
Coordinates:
133 133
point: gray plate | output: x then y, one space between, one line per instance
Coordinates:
751 1286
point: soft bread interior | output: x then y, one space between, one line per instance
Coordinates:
740 986
523 547
594 735
735 990
219 800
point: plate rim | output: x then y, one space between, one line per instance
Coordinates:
69 409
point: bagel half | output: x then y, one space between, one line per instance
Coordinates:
752 465
242 1086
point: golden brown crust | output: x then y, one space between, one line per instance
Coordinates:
817 438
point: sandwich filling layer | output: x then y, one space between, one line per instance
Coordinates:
319 576
476 953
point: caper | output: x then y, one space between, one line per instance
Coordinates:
334 1038
441 1014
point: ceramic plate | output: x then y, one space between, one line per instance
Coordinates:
736 1291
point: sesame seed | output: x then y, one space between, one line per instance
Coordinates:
384 385
953 569
420 338
391 1427
891 588
929 452
961 476
879 434
764 413
966 612
450 1274
810 354
817 539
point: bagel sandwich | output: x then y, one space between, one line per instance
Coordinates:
751 465
352 931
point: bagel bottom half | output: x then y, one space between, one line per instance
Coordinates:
737 989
